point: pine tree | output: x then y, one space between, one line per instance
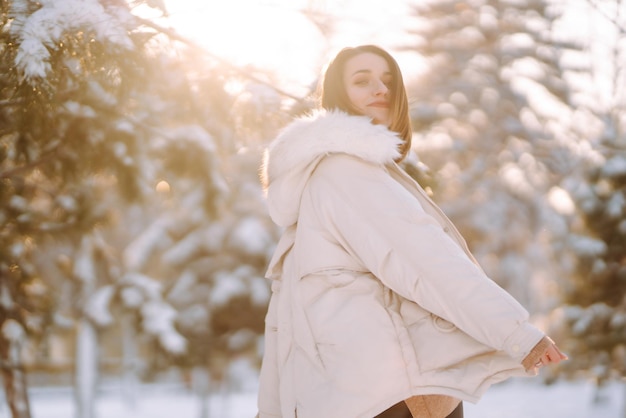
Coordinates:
82 119
593 320
212 266
596 312
487 115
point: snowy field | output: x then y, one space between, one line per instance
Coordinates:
516 399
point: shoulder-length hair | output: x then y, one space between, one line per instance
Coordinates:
334 97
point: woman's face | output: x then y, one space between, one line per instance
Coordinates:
367 78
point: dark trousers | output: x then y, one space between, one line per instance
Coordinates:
400 410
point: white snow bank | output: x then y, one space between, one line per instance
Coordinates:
522 398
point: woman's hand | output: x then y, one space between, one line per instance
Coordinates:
544 353
551 356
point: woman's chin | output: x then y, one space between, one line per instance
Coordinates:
381 122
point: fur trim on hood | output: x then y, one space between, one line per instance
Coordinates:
292 157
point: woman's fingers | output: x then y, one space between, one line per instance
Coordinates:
552 355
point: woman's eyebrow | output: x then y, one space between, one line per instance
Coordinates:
361 71
368 72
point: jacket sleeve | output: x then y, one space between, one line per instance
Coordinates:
385 227
269 393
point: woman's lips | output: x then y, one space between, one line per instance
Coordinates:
379 104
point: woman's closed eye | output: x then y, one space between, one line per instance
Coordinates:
367 82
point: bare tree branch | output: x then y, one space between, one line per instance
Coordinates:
11 102
19 169
613 19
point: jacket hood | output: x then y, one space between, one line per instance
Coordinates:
292 157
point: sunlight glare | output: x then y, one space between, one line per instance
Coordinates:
267 35
162 187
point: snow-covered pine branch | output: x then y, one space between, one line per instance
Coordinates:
43 30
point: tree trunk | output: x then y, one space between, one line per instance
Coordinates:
86 369
624 400
86 336
130 382
200 381
14 379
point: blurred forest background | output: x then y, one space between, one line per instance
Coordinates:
133 231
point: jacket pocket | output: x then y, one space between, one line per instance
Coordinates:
347 319
438 343
332 277
441 324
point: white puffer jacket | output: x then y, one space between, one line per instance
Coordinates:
376 297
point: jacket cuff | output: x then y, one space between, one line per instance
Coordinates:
522 341
535 354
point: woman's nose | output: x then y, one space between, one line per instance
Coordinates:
381 89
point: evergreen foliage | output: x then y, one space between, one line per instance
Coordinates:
488 114
593 320
113 196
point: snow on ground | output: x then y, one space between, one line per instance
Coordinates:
526 399
515 399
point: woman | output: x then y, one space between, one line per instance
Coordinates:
378 308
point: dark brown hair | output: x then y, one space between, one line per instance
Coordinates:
334 96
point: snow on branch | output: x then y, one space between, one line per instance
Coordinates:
98 306
138 252
158 319
251 237
586 246
615 166
41 31
13 331
157 316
